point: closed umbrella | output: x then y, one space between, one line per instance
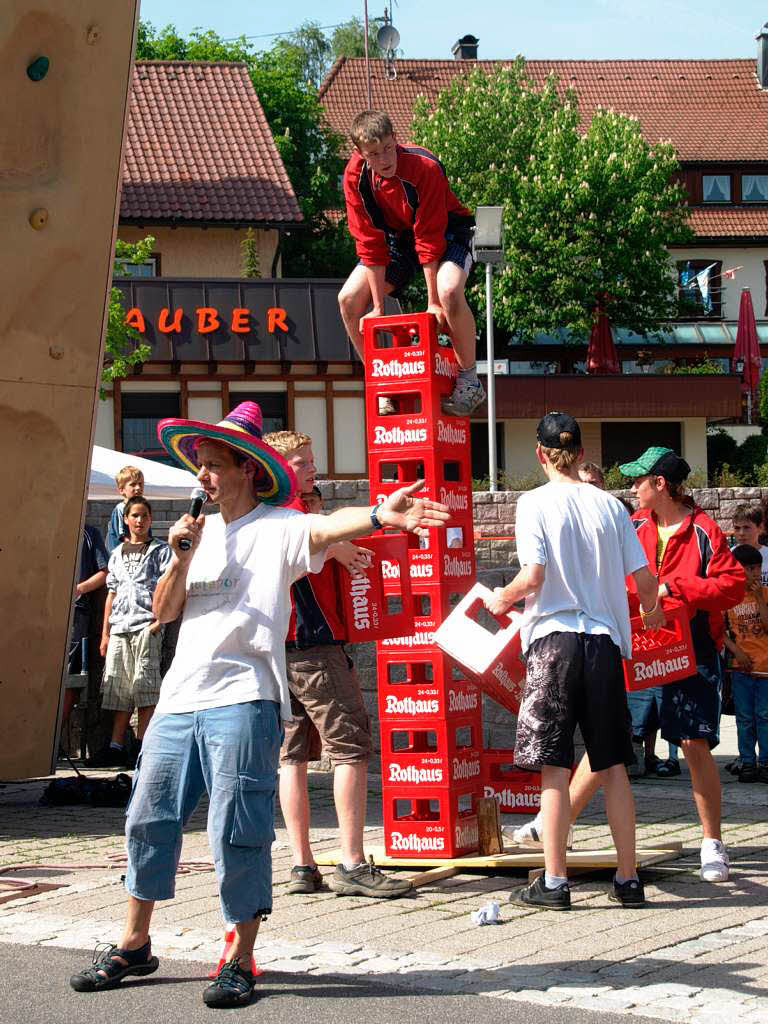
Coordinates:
601 354
746 352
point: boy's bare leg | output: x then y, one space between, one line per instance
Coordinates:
620 810
354 300
584 784
556 817
119 725
145 717
245 936
136 928
294 803
451 281
350 793
705 781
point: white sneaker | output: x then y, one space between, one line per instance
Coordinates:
714 861
386 407
531 835
465 398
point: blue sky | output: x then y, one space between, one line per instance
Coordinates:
575 29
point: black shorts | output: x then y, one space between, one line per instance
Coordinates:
573 679
404 263
690 709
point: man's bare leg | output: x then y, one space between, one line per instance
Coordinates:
245 936
120 723
705 782
350 794
451 281
136 928
354 300
620 810
556 815
294 802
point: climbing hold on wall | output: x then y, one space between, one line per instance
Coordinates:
38 69
38 218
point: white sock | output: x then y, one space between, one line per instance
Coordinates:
468 376
553 881
352 865
538 824
620 881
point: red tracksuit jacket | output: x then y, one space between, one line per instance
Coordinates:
699 570
417 198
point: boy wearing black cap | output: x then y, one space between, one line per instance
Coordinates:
576 545
694 565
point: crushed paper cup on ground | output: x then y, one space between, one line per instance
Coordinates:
489 913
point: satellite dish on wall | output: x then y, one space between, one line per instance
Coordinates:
388 38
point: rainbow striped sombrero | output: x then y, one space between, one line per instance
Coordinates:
274 480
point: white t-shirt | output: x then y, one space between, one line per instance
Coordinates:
588 544
231 646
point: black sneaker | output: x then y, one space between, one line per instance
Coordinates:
748 773
108 757
538 895
305 879
762 773
233 986
628 894
367 880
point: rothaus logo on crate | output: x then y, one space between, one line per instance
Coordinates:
445 367
406 364
416 570
396 435
511 796
451 433
414 843
456 567
410 706
457 499
463 701
461 769
363 614
466 834
672 662
423 636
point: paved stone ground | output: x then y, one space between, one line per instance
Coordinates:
697 953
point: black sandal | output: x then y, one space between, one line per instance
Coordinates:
666 769
107 971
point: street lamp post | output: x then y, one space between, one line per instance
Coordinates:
488 248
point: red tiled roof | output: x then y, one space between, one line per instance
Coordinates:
711 110
198 148
729 222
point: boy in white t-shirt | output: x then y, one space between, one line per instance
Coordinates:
217 726
576 544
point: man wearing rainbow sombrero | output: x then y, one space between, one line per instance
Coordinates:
217 727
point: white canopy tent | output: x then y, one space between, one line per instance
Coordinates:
160 481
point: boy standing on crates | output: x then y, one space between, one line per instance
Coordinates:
576 544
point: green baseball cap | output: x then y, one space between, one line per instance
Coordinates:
659 461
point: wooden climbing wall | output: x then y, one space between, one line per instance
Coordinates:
65 72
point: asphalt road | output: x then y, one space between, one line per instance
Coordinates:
34 989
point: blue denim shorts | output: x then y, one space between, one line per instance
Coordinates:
232 753
690 709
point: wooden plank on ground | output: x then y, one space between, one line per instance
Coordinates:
515 858
433 875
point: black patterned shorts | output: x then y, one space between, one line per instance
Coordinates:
573 679
404 263
690 709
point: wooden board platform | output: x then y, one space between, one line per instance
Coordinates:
517 858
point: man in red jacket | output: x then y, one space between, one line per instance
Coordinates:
694 566
403 215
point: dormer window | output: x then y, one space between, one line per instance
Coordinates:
716 188
754 188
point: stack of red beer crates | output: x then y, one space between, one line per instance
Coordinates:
430 715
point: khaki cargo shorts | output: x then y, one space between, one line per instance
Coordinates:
328 710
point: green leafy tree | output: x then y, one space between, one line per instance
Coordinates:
282 78
588 214
123 346
250 255
348 39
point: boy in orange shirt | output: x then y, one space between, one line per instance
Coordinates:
748 643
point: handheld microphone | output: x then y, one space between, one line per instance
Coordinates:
198 497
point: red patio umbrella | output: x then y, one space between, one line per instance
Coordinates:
601 354
747 351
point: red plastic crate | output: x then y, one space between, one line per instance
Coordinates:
491 659
419 754
516 791
447 478
661 656
424 684
404 349
449 555
418 422
439 822
365 601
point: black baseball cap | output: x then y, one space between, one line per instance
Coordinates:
553 426
658 461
